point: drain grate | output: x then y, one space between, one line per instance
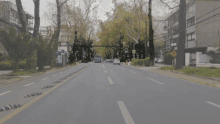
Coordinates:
9 107
33 94
48 86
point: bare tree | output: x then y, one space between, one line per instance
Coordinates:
22 16
37 18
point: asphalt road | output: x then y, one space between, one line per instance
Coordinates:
117 94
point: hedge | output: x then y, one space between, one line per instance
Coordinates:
6 65
168 58
141 62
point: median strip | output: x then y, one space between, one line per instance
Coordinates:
7 117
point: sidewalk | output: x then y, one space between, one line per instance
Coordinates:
192 78
6 80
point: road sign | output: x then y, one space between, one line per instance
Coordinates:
126 50
133 51
62 52
57 52
174 53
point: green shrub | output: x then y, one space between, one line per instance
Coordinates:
6 65
146 61
168 58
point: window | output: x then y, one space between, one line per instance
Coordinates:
191 36
175 40
176 30
190 22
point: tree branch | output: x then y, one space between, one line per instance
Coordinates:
168 5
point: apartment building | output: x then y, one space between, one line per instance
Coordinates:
202 26
9 13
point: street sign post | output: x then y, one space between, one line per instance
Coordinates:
62 52
133 51
57 53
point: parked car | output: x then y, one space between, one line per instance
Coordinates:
160 60
116 61
156 59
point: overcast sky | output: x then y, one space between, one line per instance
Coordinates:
106 5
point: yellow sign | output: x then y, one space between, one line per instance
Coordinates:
174 53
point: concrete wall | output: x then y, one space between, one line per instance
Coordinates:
208 65
207 34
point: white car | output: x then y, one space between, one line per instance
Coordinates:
116 61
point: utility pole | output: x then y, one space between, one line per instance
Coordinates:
219 40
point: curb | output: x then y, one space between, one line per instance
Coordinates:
37 75
216 79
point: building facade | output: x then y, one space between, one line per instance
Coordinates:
9 13
202 27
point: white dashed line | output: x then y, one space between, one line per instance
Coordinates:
103 66
5 93
54 75
216 105
44 79
110 80
61 72
132 72
155 81
28 84
125 113
105 71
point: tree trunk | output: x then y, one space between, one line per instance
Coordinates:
15 64
37 18
151 35
22 16
182 34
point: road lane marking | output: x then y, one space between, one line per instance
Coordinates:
61 72
127 117
5 93
18 110
54 75
105 71
28 84
103 66
216 105
155 81
44 79
99 69
132 71
110 80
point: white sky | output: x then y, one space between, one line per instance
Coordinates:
103 8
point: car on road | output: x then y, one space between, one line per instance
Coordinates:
116 61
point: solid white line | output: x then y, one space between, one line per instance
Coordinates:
216 105
127 117
44 79
28 84
54 75
155 81
110 80
105 71
5 93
